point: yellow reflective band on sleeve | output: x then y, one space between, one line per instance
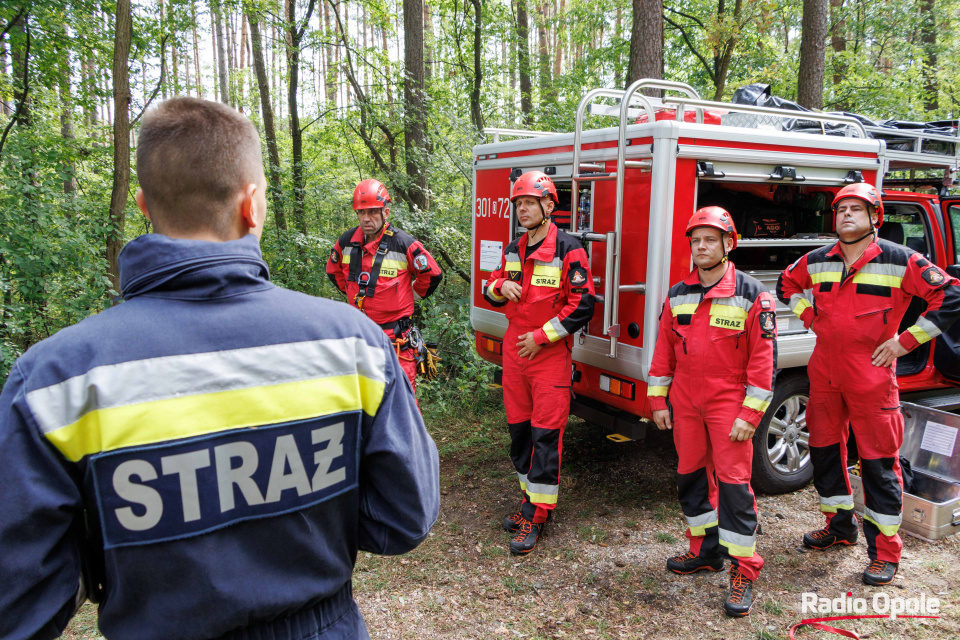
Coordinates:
657 391
684 309
802 305
492 293
878 279
919 334
187 416
826 276
548 329
756 404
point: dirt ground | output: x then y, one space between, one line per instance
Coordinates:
599 571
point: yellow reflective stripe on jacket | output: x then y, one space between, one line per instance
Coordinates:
757 398
658 391
554 330
826 276
799 304
924 330
491 290
512 266
878 279
684 309
157 399
392 268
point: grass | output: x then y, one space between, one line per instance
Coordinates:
592 534
665 537
773 607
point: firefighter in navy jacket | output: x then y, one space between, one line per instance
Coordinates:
214 450
544 281
380 268
715 358
861 289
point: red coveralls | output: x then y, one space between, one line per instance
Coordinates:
715 357
557 299
406 268
852 315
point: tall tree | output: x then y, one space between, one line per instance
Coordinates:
813 51
415 120
294 36
196 48
646 43
722 35
121 138
543 55
928 38
476 114
838 41
221 51
266 110
523 62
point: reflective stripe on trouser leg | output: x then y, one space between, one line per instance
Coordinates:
738 527
543 479
833 484
883 504
694 493
828 421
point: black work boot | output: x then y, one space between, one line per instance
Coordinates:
740 600
512 522
822 539
526 539
880 572
691 563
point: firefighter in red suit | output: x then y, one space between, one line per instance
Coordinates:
380 268
715 358
544 280
861 287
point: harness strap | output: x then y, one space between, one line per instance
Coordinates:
368 280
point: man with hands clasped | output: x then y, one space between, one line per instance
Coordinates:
715 358
544 280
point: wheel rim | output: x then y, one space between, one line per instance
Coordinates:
788 441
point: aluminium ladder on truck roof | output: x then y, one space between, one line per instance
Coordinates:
660 217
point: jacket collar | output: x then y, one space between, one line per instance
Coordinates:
159 265
872 251
547 250
373 244
725 287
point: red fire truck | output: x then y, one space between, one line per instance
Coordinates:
628 190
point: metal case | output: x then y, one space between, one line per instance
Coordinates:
931 510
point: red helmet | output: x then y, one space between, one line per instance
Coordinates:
536 184
861 191
371 194
716 217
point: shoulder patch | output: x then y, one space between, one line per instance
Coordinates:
420 263
766 304
578 276
334 256
768 321
933 276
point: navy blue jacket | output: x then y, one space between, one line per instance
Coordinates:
230 445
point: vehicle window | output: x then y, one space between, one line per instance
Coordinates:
904 224
955 225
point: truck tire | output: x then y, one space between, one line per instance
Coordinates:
781 450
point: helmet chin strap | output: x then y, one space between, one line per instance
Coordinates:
723 260
872 231
543 214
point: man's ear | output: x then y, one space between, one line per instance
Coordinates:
248 208
142 204
549 206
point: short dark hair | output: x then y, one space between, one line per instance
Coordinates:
193 158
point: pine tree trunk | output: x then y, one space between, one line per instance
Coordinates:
813 51
196 49
523 61
266 109
163 49
429 42
121 138
294 36
476 113
413 96
543 54
928 36
646 43
224 80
